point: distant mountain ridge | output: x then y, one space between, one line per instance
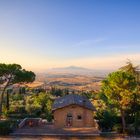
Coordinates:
71 68
77 70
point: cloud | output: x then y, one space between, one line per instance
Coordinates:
88 42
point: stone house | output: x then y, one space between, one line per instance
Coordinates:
73 110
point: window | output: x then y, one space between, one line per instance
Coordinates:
79 117
69 115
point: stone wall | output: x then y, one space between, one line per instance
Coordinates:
87 120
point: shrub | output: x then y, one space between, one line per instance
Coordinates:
5 127
106 120
117 128
132 129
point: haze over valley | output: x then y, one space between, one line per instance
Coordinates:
73 78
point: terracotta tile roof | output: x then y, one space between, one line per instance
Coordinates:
72 99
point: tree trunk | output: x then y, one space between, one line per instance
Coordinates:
2 95
1 101
123 120
7 100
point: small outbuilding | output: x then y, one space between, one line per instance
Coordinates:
73 110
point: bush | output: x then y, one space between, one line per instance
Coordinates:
21 116
17 109
132 129
5 127
117 128
106 120
49 117
32 109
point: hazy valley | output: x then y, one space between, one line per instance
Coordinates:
73 78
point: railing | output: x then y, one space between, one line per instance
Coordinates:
26 121
22 123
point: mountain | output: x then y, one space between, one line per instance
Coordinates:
71 68
76 71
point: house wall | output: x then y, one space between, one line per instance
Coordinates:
87 120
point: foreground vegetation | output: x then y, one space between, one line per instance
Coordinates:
121 95
117 104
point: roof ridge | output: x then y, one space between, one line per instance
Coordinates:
72 99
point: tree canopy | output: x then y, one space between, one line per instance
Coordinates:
11 74
119 88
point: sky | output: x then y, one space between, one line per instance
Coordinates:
43 34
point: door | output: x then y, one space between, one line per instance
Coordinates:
69 120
